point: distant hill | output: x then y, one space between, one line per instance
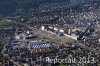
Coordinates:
7 7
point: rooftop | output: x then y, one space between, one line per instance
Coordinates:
38 45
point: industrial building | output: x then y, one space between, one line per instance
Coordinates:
40 47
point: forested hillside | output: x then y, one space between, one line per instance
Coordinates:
7 7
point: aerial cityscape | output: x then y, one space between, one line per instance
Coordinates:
49 32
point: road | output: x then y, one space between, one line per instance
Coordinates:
58 39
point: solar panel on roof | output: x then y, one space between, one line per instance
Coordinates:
41 45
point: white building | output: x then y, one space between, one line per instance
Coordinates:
61 30
56 29
99 40
25 64
69 31
51 27
43 27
